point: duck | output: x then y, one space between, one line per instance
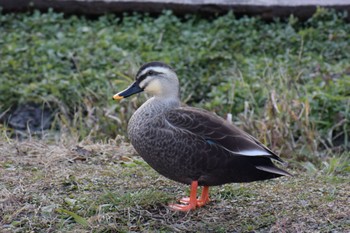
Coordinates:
190 145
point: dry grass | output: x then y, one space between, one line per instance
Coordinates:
104 187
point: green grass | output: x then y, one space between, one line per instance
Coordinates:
286 82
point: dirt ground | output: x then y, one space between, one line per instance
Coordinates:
68 186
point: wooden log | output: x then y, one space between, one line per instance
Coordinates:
266 9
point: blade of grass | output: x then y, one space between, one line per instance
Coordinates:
78 219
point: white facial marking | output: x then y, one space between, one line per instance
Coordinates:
157 69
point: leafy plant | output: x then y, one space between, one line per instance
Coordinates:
284 81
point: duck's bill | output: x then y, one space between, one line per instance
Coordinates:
131 90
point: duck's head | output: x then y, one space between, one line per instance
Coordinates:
155 78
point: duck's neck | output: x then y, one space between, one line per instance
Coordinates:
161 104
153 107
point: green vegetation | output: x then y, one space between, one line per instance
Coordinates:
286 82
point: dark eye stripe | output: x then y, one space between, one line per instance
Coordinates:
152 64
144 76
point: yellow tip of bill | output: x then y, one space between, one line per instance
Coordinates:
117 97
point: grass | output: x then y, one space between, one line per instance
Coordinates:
283 81
286 82
105 187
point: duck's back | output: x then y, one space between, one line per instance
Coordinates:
186 144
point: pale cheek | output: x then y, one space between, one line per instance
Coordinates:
154 88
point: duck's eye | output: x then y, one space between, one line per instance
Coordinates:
151 72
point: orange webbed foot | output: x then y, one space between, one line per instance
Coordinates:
191 203
185 200
180 207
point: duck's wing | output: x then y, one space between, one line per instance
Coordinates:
216 130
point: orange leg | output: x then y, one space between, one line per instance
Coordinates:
192 202
204 197
203 200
